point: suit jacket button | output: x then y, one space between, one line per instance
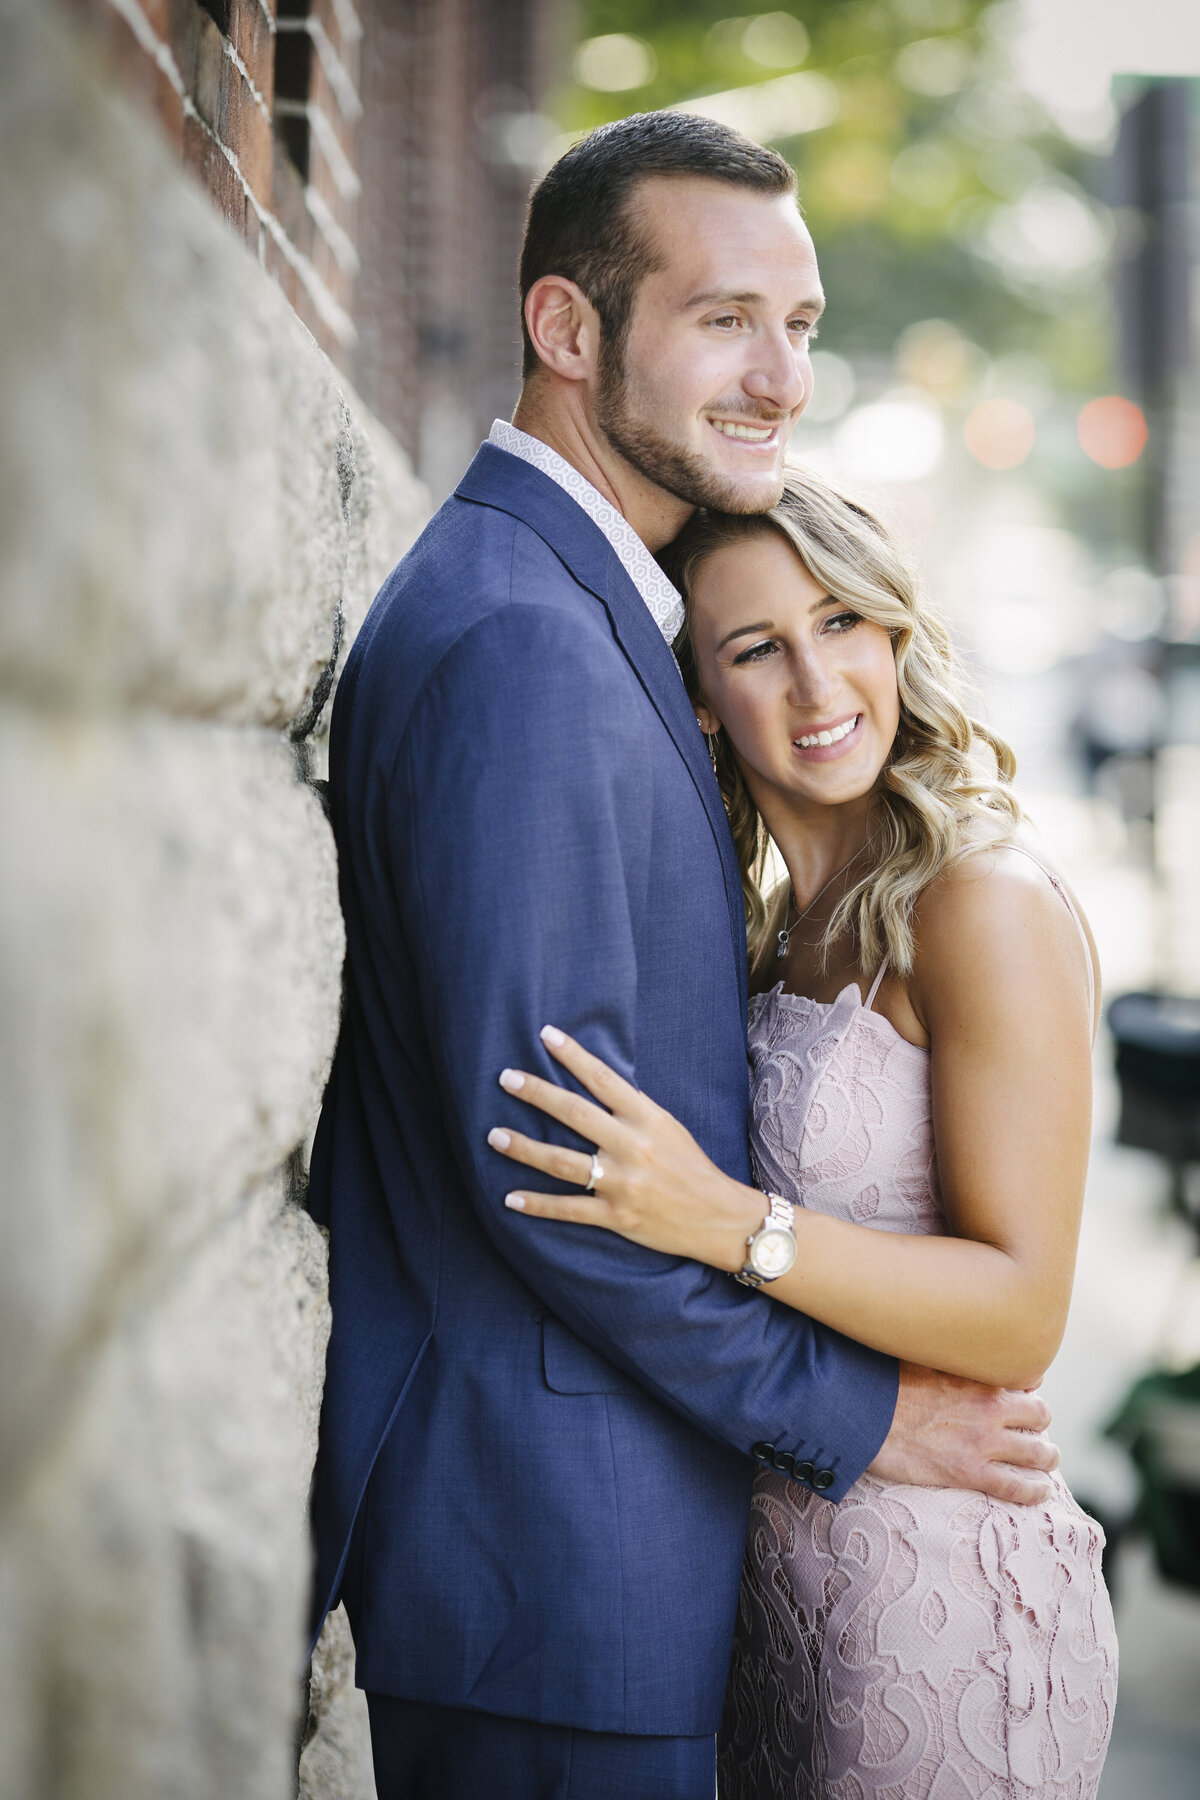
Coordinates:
823 1479
804 1471
784 1462
764 1453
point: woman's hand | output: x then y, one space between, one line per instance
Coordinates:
655 1185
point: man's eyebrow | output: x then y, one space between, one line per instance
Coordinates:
815 304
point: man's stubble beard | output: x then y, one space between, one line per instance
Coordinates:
681 472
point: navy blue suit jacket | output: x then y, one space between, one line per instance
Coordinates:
538 1435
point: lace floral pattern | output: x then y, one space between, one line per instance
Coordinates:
909 1643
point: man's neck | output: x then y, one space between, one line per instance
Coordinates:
654 514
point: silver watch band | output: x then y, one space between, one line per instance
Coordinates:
780 1214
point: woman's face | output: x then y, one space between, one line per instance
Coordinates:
804 687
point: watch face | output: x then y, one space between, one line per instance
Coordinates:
773 1252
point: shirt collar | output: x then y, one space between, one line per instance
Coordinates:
660 595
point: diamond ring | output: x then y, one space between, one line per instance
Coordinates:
597 1173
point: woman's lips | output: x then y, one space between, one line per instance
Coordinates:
819 752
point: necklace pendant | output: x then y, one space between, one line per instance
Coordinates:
783 945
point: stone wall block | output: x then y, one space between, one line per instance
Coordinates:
163 1536
172 527
335 1759
170 956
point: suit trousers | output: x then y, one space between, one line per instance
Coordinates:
427 1752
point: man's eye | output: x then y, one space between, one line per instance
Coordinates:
725 319
806 328
756 652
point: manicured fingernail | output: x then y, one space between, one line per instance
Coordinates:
550 1034
499 1140
516 1201
512 1079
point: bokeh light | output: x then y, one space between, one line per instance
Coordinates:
898 439
999 433
1112 431
614 63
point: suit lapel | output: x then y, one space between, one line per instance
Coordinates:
497 479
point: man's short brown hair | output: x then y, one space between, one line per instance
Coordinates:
581 224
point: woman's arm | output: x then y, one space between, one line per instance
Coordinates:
1001 989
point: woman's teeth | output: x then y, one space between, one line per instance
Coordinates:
753 434
833 736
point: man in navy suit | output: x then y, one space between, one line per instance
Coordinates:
537 1447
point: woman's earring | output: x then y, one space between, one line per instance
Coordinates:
712 749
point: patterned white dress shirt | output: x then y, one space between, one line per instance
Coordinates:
661 597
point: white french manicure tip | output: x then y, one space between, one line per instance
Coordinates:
512 1080
499 1140
550 1034
515 1201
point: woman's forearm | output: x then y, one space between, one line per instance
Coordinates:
969 1309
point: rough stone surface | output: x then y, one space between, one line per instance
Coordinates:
193 518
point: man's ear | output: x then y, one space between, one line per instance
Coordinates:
563 327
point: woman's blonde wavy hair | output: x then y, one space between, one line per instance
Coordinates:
944 789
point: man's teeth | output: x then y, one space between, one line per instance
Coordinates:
753 434
833 736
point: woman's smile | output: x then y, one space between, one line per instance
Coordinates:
827 741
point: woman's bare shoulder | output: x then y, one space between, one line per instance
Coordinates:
998 916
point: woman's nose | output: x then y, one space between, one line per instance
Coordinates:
813 684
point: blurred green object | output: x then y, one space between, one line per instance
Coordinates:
930 179
1159 1425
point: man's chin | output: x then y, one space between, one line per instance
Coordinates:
756 493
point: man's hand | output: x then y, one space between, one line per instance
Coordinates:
950 1432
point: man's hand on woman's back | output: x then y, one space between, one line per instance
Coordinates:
950 1432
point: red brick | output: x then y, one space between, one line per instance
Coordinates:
321 95
185 20
135 71
204 156
255 151
251 36
345 48
288 202
211 64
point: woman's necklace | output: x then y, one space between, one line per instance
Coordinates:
785 935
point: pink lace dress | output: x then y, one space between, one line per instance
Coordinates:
908 1643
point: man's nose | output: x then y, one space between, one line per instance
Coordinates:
778 374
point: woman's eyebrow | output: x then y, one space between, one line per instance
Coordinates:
745 631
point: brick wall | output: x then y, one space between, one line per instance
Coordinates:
260 100
376 156
451 91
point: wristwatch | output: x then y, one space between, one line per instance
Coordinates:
772 1249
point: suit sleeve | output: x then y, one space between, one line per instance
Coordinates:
519 844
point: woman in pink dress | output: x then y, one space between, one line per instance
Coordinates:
923 1002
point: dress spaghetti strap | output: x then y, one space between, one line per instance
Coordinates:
869 1002
1065 897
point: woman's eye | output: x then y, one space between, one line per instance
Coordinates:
842 621
756 652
